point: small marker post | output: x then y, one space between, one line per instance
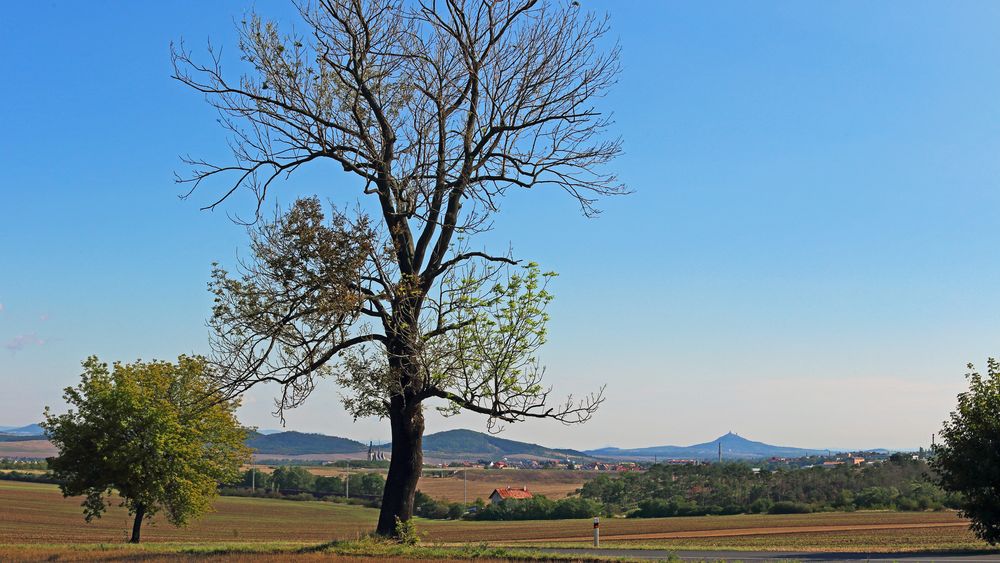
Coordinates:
597 531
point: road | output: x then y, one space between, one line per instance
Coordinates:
657 554
758 531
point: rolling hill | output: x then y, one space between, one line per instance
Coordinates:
451 444
301 443
29 430
733 447
471 444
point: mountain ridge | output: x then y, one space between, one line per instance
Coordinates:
470 445
733 446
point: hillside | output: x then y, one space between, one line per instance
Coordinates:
733 447
300 443
29 430
471 444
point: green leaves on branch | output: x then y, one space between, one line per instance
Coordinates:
493 367
968 459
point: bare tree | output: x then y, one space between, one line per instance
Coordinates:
437 108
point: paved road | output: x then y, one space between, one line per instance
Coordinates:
655 554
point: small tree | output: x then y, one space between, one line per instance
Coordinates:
968 459
153 432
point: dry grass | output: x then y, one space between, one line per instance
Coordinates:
551 483
27 448
554 484
36 514
885 540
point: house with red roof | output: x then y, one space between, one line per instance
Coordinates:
500 495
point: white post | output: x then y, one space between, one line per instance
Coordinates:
597 531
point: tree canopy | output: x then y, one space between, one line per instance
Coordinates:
154 432
967 460
434 111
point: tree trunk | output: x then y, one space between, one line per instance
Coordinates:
407 421
140 513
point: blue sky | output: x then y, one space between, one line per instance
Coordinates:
809 257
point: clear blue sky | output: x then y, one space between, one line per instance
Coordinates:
809 258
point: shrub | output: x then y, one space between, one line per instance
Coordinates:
787 507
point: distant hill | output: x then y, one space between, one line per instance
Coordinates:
29 430
300 443
19 438
471 444
733 447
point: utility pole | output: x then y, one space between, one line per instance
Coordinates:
347 481
253 475
465 486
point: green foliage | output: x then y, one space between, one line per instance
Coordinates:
540 508
732 488
334 485
28 477
156 433
968 459
292 478
456 511
501 326
406 532
789 507
7 463
365 483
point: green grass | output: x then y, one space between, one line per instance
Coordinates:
278 551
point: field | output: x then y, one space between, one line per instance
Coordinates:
36 517
28 448
447 484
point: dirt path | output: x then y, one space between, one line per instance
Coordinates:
746 532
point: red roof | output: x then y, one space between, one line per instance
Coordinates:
507 492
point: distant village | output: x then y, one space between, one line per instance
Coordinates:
862 458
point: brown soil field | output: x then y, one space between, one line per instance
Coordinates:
878 540
27 448
447 484
37 514
13 554
450 485
758 531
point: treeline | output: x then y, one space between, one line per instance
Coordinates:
540 508
24 464
29 477
900 483
299 484
12 469
536 508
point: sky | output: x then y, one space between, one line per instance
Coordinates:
808 257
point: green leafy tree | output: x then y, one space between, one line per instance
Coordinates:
967 460
154 432
433 111
333 485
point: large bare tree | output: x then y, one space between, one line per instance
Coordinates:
436 109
